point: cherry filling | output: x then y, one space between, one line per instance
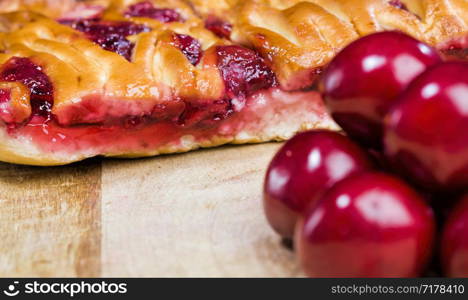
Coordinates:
83 11
110 35
147 10
398 4
244 71
456 53
219 27
21 69
4 95
189 46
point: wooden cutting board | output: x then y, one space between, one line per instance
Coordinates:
197 214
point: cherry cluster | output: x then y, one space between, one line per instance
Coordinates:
389 198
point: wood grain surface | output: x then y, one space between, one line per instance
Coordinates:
191 215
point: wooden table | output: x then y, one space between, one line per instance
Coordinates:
197 214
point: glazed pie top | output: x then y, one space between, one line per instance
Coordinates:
90 62
301 35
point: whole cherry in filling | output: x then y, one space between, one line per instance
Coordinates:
189 46
21 69
243 71
110 35
146 9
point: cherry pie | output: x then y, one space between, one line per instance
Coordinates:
139 78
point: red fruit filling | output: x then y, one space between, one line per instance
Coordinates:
398 4
243 71
20 69
146 9
110 35
456 49
4 95
189 46
219 27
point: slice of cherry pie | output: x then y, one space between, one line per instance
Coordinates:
139 78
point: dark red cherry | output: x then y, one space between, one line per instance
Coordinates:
244 71
303 169
219 27
146 9
426 132
205 114
189 46
368 225
364 79
454 248
110 35
21 69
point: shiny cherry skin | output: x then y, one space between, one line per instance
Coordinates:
189 46
218 26
304 168
454 248
364 79
368 225
426 133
